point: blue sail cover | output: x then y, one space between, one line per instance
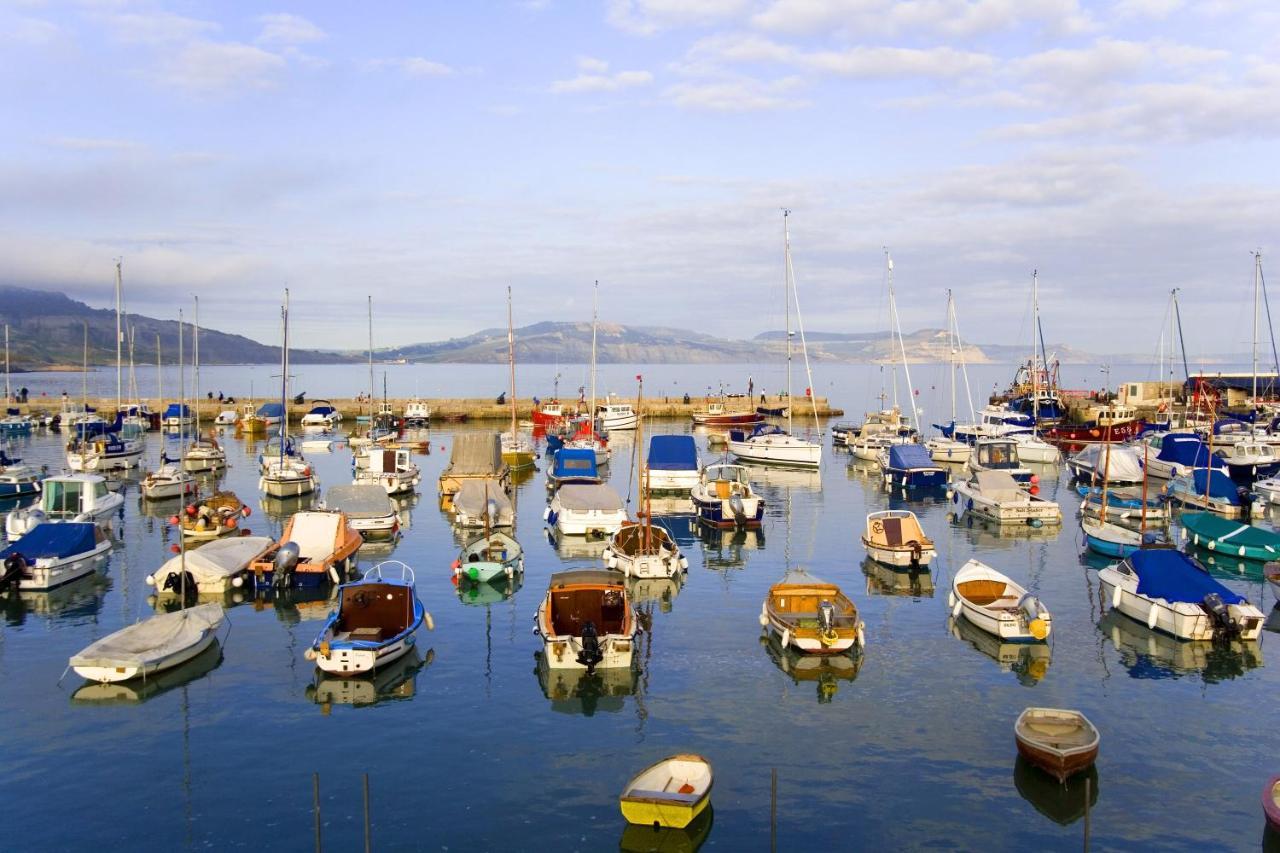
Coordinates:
50 539
673 453
1221 486
574 462
1173 576
905 457
1184 448
759 429
270 410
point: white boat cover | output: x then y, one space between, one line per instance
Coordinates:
1124 466
1000 487
148 643
475 454
220 559
473 495
584 497
315 534
363 500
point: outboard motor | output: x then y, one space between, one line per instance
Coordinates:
15 566
182 583
1029 606
285 564
739 511
826 617
590 655
1224 624
1246 503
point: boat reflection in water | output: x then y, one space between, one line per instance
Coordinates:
282 509
170 603
887 580
824 671
480 593
667 839
1028 661
727 548
79 600
1273 620
1228 567
1061 802
772 482
294 605
1148 654
660 591
139 690
576 547
394 682
573 691
989 534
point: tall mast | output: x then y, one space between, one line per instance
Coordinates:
595 308
159 376
1035 371
120 339
786 300
804 347
195 335
284 372
1257 275
902 345
182 392
7 393
951 350
84 373
511 362
371 389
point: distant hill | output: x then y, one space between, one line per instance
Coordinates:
47 330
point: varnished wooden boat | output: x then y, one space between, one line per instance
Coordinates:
670 793
811 615
1059 741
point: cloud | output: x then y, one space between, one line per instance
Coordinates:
414 66
158 28
646 17
285 29
84 143
736 94
35 32
210 67
595 77
1156 9
952 18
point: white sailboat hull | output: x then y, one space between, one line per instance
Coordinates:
778 450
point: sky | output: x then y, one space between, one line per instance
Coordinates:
431 154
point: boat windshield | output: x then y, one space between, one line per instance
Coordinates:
63 496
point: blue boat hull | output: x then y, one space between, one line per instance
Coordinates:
19 490
711 513
1108 549
918 478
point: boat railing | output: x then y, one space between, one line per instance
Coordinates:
406 573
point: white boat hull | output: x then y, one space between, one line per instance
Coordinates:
561 652
398 483
49 574
112 462
807 645
667 564
589 523
108 675
948 450
1183 620
348 662
1033 511
778 450
291 487
672 481
899 557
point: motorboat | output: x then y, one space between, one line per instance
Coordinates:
322 415
367 507
1248 461
672 464
573 465
615 415
719 414
393 470
177 415
811 616
271 414
153 645
67 498
639 549
1119 465
417 413
492 556
1060 742
317 547
669 793
992 422
586 621
1179 453
250 421
724 498
215 516
215 568
894 537
517 449
998 454
51 555
585 510
204 454
288 477
771 444
1030 448
998 605
227 417
871 447
997 496
16 479
1231 538
909 466
1170 592
479 503
943 449
1206 489
103 449
474 456
373 624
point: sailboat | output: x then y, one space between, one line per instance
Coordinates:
391 468
587 436
1106 537
12 424
1030 447
766 442
517 448
202 454
946 448
286 476
170 480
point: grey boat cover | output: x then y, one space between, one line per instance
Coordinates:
218 560
149 643
583 497
999 486
1124 465
472 499
363 500
476 454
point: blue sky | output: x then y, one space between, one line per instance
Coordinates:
431 154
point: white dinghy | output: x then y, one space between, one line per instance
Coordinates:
218 567
156 644
997 605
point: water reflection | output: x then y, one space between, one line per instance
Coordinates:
1145 653
394 682
572 691
1227 567
1028 661
280 509
140 690
1063 803
479 593
295 605
659 839
727 548
888 580
770 480
80 599
576 547
988 534
168 601
660 591
824 671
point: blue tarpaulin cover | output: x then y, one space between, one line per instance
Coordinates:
673 453
270 410
1184 448
1221 486
177 410
1173 576
52 539
907 456
573 462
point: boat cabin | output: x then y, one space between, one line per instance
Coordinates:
70 495
996 455
373 612
579 597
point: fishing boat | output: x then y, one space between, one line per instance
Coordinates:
1271 803
1060 742
548 415
1179 453
613 414
673 464
250 422
322 415
67 498
492 556
215 568
811 616
669 793
573 465
717 413
997 496
1210 490
1213 533
909 466
1170 592
894 537
162 642
373 625
392 470
17 480
998 605
317 547
217 515
417 413
368 509
585 510
724 498
1123 422
1123 464
586 621
474 456
479 503
51 555
999 454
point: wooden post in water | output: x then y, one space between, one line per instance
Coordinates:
773 810
368 837
1088 791
315 805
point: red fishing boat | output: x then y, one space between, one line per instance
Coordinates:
1123 420
548 415
717 414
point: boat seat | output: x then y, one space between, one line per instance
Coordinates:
723 489
366 634
661 795
892 531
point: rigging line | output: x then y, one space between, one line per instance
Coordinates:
1270 328
1182 342
804 347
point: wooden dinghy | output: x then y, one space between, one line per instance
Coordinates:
997 605
159 643
1059 741
894 537
811 615
670 793
490 557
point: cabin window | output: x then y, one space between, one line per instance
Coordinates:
99 490
62 496
1133 390
577 464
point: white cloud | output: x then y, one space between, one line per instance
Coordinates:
646 17
953 18
36 32
1158 9
707 55
210 67
595 77
286 29
594 66
158 28
414 66
736 94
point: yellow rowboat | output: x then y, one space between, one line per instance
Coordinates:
669 793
